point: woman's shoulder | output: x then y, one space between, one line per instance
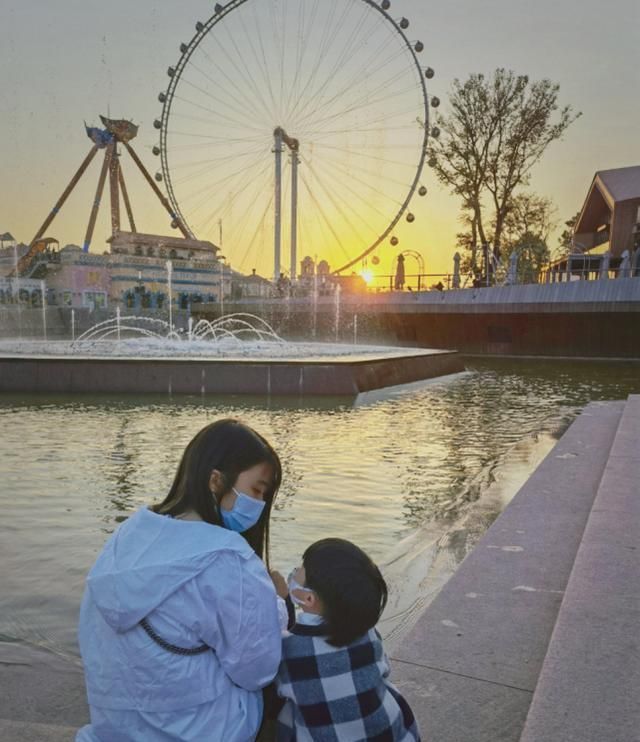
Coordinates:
184 539
237 571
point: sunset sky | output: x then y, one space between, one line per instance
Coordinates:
67 61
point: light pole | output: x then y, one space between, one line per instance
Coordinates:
169 266
222 258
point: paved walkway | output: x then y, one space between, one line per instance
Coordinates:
535 637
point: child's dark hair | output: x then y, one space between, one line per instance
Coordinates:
350 586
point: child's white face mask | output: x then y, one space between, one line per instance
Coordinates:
293 584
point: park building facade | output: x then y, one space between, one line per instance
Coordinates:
135 273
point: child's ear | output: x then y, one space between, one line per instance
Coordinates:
313 603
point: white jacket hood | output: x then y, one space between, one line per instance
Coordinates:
147 559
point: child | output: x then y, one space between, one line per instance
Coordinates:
334 674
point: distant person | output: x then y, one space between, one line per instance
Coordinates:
334 676
399 277
283 285
180 626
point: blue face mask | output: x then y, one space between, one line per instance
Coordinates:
246 512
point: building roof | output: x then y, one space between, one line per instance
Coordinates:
155 240
620 184
253 278
611 193
608 188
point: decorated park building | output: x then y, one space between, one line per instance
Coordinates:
139 271
133 273
24 291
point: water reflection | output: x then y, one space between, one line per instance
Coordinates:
414 475
123 469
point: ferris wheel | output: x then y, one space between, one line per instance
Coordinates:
299 124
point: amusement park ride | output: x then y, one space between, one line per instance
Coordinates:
344 94
340 86
116 131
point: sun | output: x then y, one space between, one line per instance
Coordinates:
367 275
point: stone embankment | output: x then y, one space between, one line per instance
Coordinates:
535 638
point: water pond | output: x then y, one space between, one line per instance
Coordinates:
413 474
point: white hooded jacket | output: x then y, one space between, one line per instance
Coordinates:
196 584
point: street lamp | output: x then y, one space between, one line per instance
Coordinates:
221 259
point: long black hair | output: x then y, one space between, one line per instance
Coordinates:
231 447
350 586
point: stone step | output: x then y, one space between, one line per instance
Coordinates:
38 686
470 665
24 731
589 685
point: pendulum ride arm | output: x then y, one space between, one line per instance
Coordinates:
96 203
36 245
65 194
114 167
125 196
157 191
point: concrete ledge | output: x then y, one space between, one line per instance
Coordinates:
481 643
589 686
346 375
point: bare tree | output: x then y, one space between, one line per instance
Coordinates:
497 129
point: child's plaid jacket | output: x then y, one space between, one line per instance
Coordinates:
339 694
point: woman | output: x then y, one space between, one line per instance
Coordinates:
179 625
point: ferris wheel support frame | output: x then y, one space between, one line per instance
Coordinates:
277 135
281 137
294 212
166 98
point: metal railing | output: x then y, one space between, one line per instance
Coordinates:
412 282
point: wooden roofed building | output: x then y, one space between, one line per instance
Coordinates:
606 236
610 212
